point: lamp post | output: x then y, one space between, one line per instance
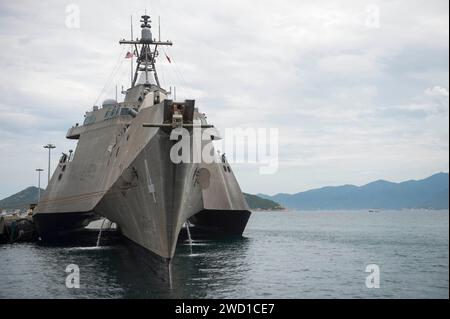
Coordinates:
49 147
39 170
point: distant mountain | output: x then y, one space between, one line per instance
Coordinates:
29 195
431 192
256 202
20 200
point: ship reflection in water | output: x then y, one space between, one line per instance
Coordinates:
282 255
115 269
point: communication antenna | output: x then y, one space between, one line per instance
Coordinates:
159 28
131 47
146 51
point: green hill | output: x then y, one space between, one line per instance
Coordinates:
428 193
20 200
256 202
24 198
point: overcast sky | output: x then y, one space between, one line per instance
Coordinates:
358 89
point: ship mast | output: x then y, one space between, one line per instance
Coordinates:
146 49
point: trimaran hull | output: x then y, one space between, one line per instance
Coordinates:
147 195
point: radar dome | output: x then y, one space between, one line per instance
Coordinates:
109 103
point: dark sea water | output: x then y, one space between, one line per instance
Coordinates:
283 255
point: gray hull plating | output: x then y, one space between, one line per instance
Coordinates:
123 171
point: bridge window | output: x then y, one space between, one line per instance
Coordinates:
89 119
124 111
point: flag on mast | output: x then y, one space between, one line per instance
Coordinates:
129 55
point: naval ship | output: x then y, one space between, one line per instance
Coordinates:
122 168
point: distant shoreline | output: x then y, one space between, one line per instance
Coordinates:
429 193
294 210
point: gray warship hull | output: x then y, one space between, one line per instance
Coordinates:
123 171
123 168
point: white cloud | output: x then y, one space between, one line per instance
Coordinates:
437 91
347 99
362 66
